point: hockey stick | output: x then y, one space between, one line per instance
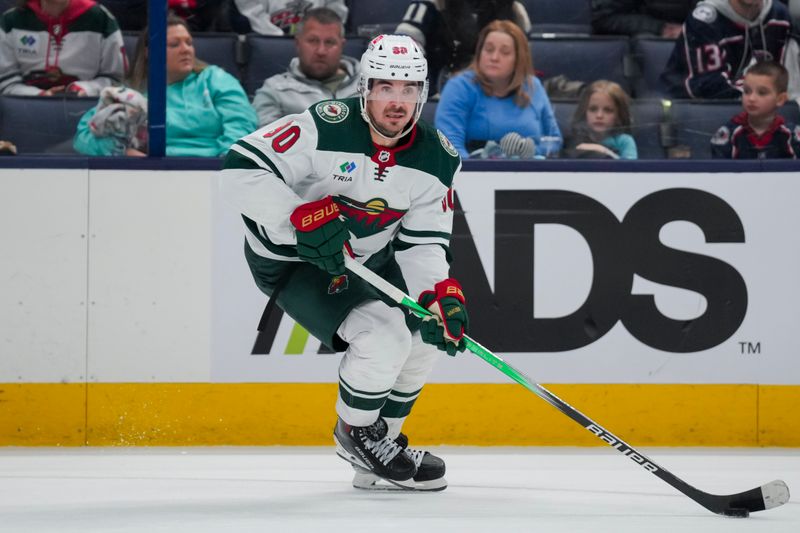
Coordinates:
739 505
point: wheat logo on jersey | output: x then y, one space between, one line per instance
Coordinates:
332 111
446 144
370 218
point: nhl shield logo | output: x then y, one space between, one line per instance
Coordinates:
338 284
332 111
383 157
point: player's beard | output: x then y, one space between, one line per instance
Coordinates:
385 131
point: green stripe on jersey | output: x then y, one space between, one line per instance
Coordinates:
261 156
278 249
424 234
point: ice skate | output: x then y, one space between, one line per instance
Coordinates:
429 476
371 450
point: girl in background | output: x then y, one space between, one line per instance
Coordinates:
601 126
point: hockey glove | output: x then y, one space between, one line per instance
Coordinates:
321 234
450 322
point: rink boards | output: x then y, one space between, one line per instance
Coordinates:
662 305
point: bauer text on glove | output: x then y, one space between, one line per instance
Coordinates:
321 235
446 329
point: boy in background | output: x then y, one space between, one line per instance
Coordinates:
758 132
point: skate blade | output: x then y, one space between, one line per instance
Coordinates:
365 480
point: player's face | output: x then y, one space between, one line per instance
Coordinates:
747 8
319 49
391 104
760 98
180 53
601 113
497 57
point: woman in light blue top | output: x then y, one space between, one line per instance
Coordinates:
207 109
499 99
601 126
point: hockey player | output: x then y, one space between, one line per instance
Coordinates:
365 174
721 38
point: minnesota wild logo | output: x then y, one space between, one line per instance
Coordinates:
368 218
446 144
332 111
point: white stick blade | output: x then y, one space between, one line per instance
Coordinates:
775 493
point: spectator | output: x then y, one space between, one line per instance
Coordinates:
759 132
448 30
207 109
721 39
602 123
319 72
498 99
50 47
277 17
659 18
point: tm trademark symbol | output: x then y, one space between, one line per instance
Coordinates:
749 348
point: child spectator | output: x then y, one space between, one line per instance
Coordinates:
207 109
277 17
759 132
498 99
602 123
49 47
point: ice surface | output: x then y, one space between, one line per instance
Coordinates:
496 490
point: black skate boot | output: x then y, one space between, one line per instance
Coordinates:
429 476
369 449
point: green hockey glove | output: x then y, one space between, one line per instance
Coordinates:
450 322
321 235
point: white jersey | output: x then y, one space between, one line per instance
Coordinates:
399 196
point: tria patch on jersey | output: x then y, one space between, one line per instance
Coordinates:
446 144
332 111
705 13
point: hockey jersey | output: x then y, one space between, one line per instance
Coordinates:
83 46
399 196
717 45
737 140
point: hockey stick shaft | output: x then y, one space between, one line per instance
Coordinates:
758 499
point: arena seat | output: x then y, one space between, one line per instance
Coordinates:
385 14
648 122
581 58
41 124
650 55
694 122
267 56
560 16
221 49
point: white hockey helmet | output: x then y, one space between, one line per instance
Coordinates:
393 57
